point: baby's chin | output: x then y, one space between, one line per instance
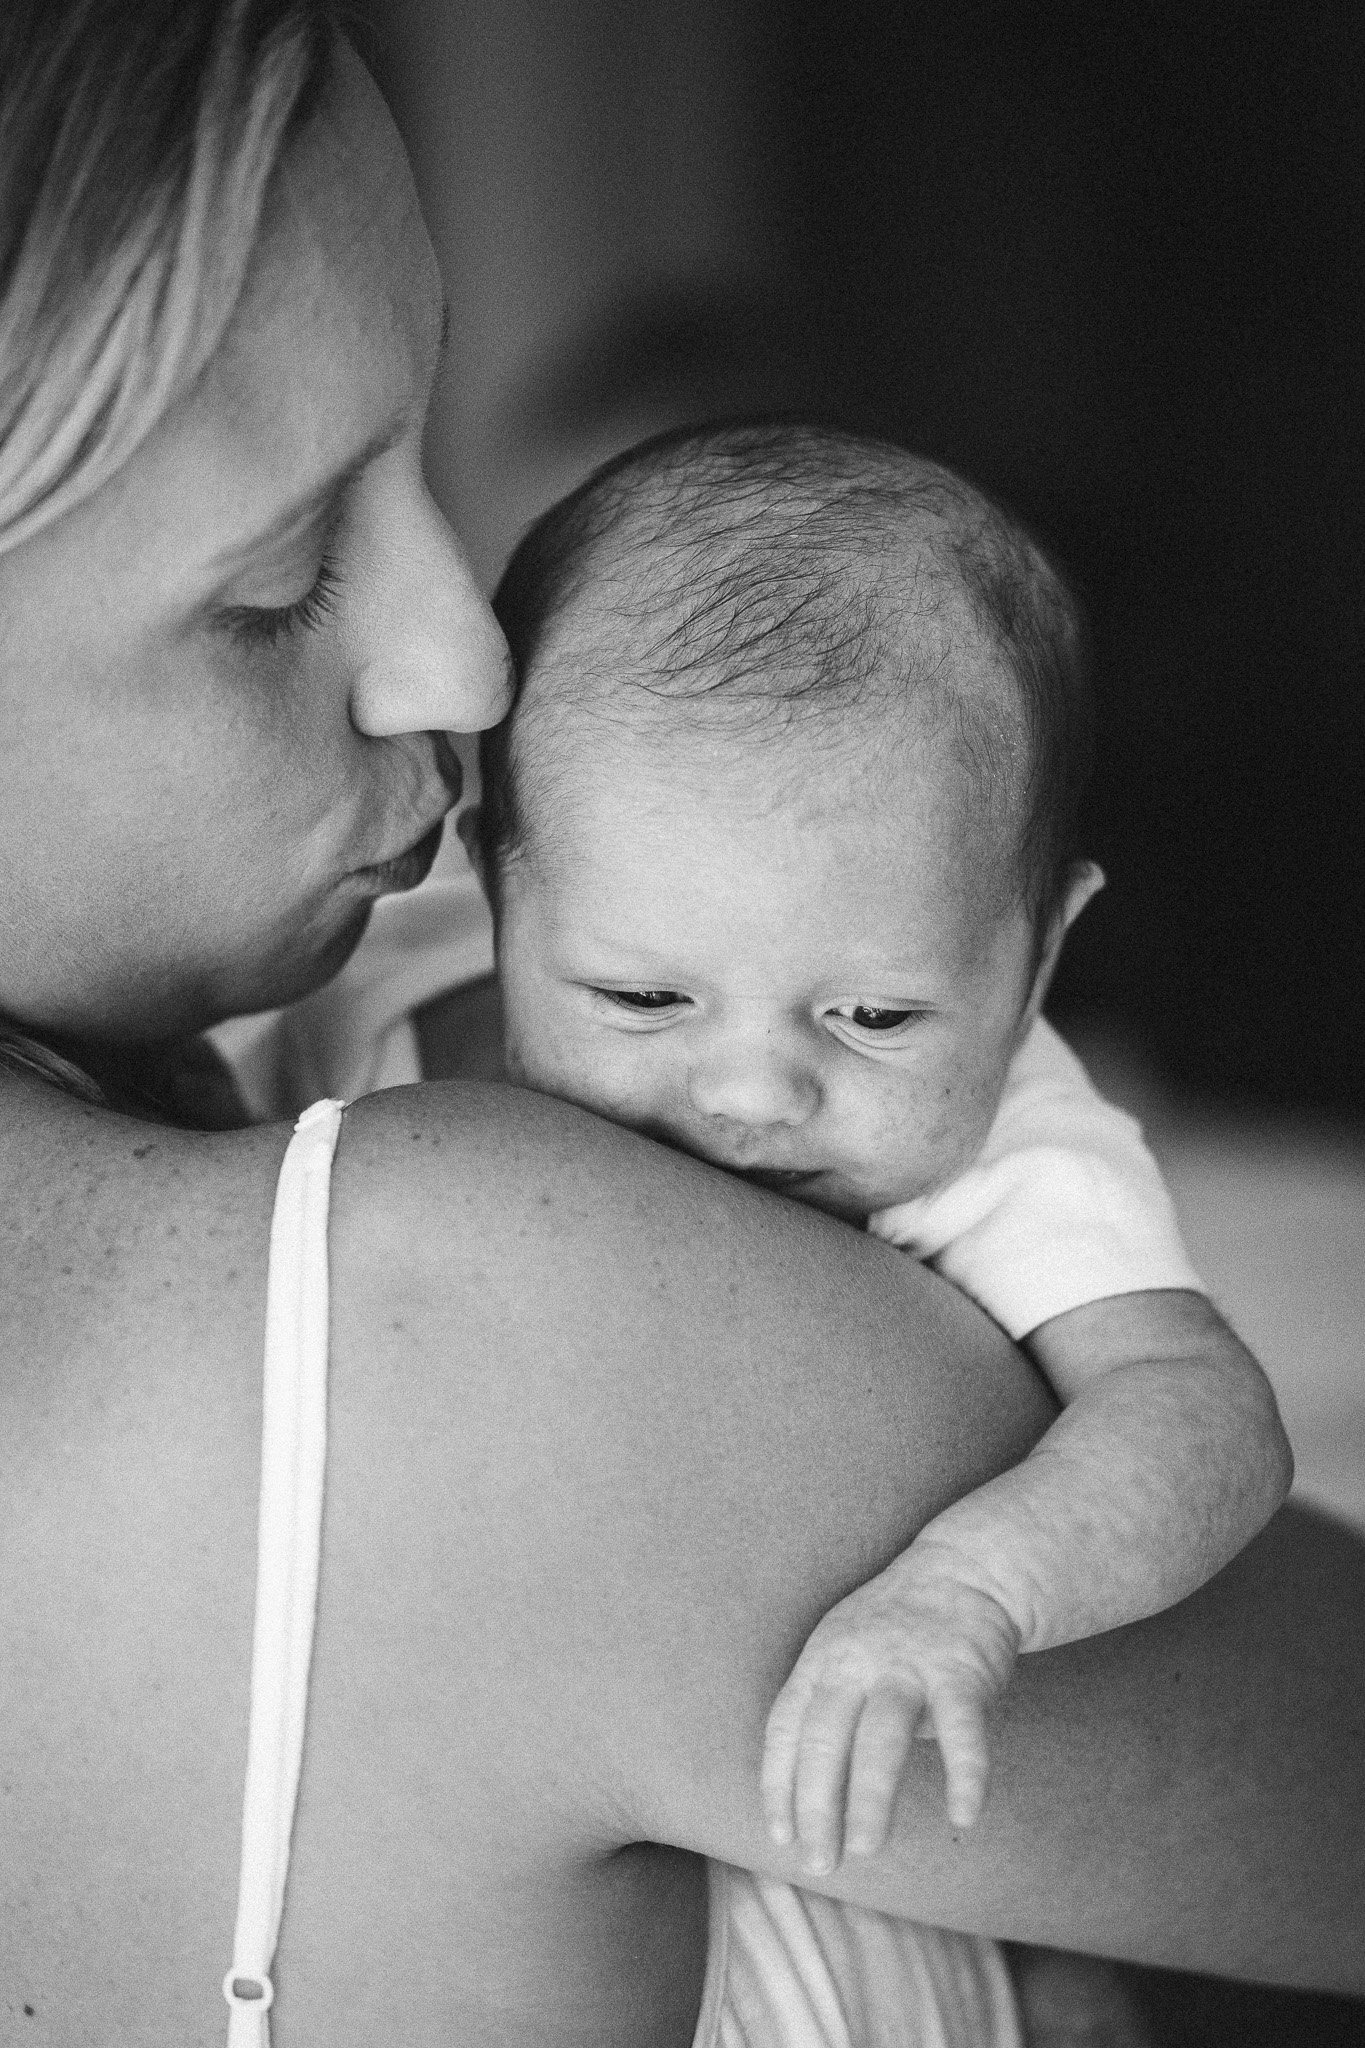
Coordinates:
818 1190
853 1201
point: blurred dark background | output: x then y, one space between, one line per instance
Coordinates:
1108 262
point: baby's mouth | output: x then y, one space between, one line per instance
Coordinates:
779 1179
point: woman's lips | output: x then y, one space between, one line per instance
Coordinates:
406 870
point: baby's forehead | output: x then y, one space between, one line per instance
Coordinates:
901 807
904 697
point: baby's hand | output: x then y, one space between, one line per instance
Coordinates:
917 1651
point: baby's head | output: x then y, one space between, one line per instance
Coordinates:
779 833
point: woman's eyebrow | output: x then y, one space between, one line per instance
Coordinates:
317 505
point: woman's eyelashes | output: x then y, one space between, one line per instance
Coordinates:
266 625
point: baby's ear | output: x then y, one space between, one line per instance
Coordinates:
1084 880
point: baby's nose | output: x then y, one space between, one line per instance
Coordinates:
757 1087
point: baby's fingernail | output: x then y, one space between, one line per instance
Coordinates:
858 1845
817 1863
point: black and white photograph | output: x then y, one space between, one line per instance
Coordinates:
682 1030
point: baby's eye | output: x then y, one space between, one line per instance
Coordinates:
872 1017
646 999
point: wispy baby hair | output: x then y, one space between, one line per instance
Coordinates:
137 139
759 576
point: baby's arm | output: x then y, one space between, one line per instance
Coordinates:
1168 1457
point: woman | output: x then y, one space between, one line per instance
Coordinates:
590 1477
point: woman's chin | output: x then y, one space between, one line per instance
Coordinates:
307 966
266 969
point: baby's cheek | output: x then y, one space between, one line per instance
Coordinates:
539 1027
542 1060
537 1047
620 1084
558 1057
934 1129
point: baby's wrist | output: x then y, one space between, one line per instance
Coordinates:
962 1579
940 1577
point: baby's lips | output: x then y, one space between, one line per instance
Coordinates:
780 1179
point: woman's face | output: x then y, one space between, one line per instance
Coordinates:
227 679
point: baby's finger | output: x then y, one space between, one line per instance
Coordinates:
777 1773
961 1729
822 1775
881 1745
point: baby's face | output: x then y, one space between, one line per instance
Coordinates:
820 991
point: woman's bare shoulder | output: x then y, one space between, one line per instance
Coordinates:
557 1355
114 1225
132 1281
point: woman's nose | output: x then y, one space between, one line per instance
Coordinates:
428 654
759 1085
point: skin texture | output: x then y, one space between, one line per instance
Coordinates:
558 1590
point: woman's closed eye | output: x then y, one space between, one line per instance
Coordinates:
266 625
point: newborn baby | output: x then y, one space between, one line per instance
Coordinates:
779 839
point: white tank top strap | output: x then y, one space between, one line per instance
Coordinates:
293 1455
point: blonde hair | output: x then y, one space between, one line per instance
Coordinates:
137 139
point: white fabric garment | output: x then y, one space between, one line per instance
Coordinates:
1062 1206
789 1969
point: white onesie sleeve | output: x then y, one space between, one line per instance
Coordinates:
1063 1205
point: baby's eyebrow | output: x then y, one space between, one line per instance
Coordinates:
607 942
